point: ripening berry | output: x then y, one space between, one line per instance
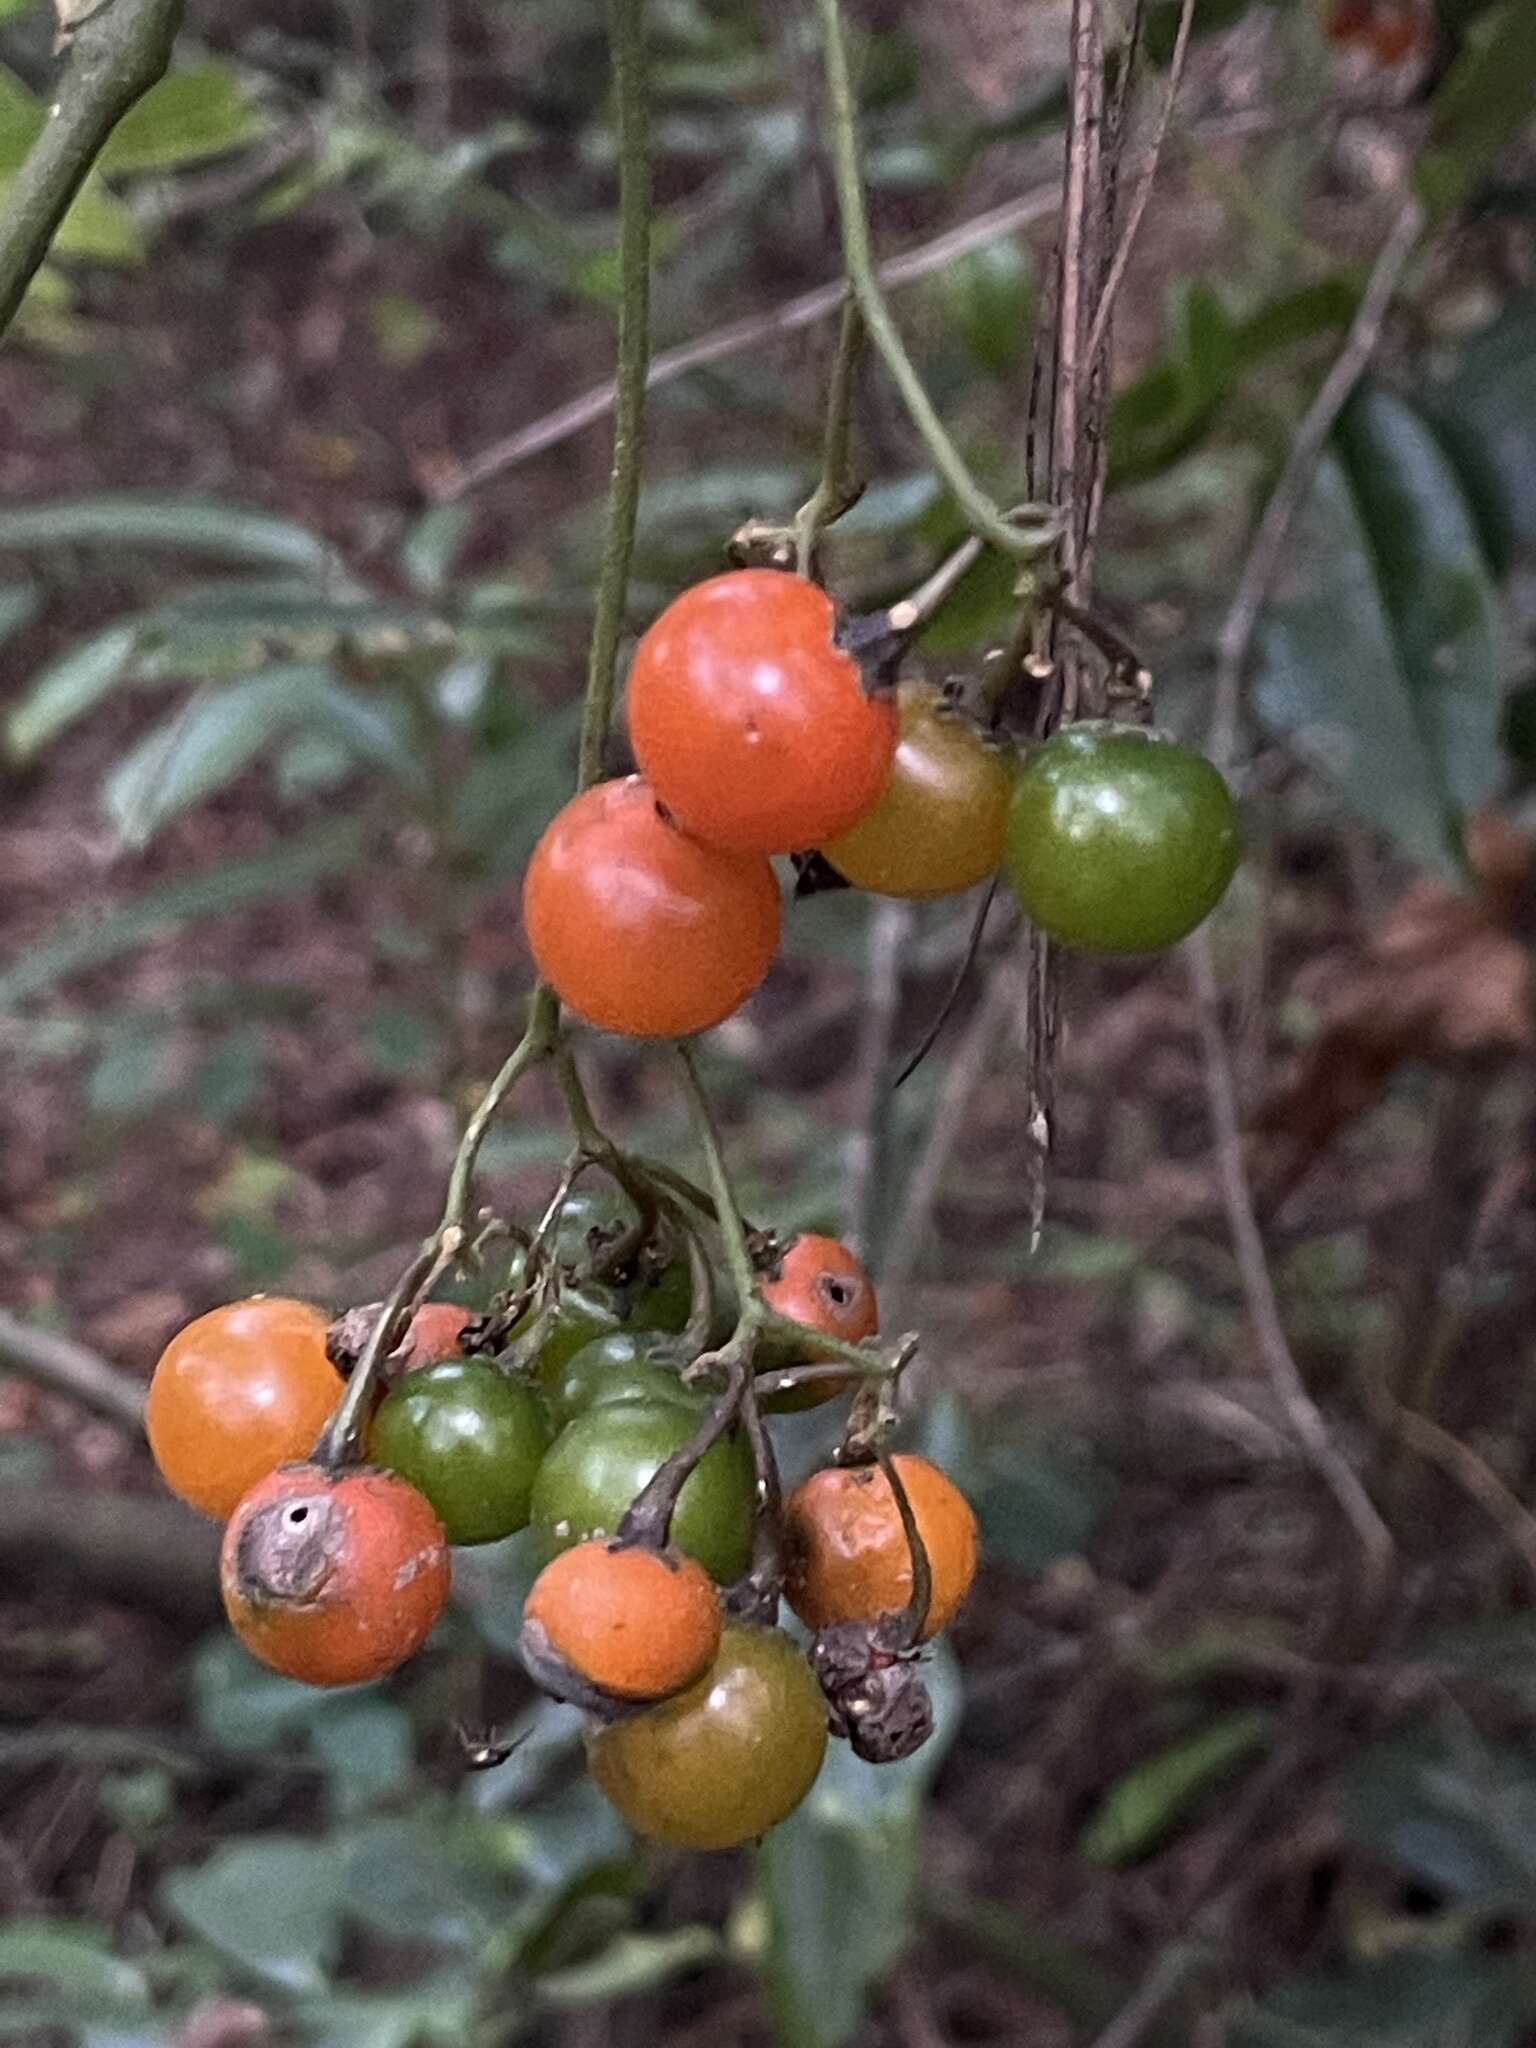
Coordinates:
333 1577
849 1559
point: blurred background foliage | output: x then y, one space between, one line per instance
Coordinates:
291 633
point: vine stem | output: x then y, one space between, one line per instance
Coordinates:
1037 526
115 55
733 1231
835 490
627 30
340 1441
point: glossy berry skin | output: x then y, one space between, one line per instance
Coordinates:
636 1624
470 1439
819 1282
752 725
639 928
599 1462
1119 841
938 825
333 1578
728 1759
622 1366
238 1392
848 1553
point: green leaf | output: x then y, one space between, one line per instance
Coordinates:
270 1904
432 544
1382 658
434 2010
66 689
365 1746
1405 2001
1035 1507
72 1960
988 299
839 1877
334 849
200 748
136 1067
629 1964
428 1876
206 526
197 112
19 604
1483 100
1144 1806
1486 411
1458 1811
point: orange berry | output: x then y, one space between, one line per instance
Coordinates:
848 1554
819 1282
333 1577
640 928
238 1392
640 1624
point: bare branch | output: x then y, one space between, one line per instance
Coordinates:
1235 640
64 1367
1378 1552
758 330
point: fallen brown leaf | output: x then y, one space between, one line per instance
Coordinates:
1446 977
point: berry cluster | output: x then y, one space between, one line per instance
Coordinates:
655 1608
604 1402
650 903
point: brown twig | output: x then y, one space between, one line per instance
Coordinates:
758 330
1099 332
963 1077
1378 1552
65 1367
1235 640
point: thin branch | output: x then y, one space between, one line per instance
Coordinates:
1378 1552
758 330
864 1149
1099 332
1235 640
1038 526
64 1367
627 29
116 54
963 1076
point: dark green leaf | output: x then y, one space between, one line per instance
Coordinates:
271 1904
136 1067
1456 1810
1035 1507
181 525
1382 657
1404 2002
838 1878
428 1877
1487 411
1480 104
193 113
1144 1806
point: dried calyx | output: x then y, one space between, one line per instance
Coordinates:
876 1698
